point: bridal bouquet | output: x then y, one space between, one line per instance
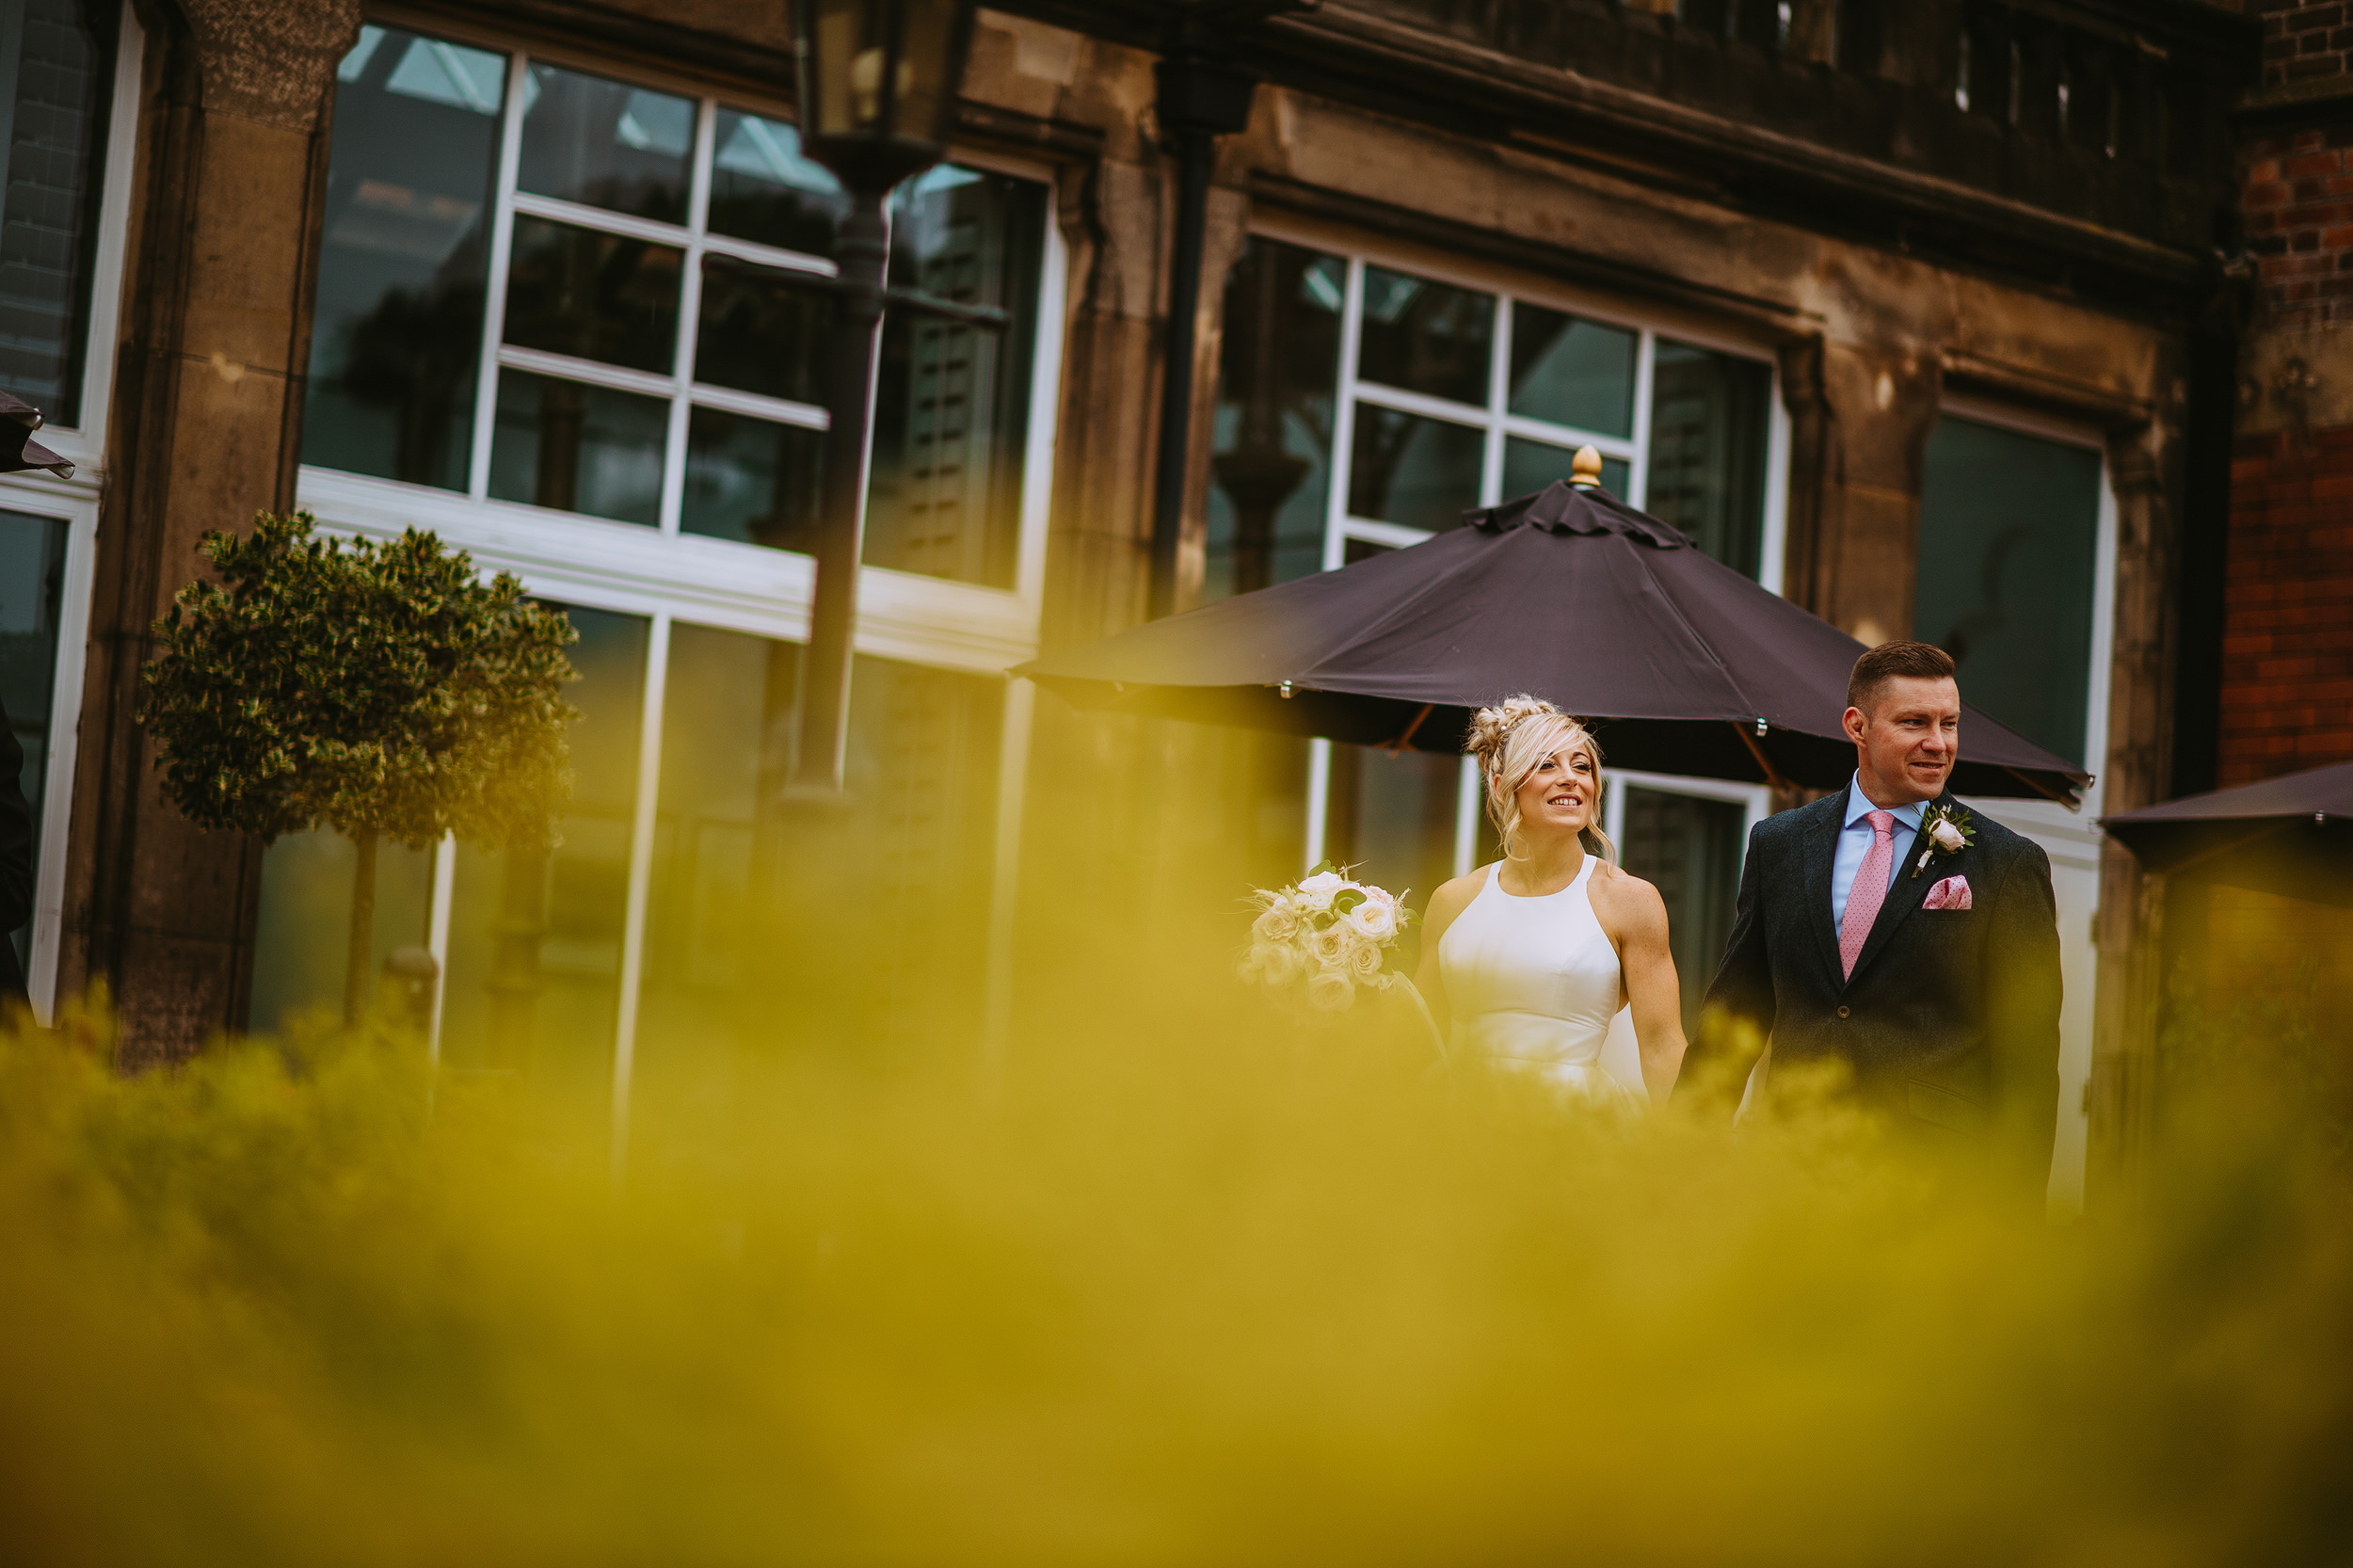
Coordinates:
1316 943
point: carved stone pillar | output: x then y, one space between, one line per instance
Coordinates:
205 431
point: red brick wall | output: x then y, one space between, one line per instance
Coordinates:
2299 202
2287 644
2303 39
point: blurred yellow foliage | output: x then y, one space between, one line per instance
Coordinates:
1178 1287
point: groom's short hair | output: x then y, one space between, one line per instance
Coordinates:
1901 657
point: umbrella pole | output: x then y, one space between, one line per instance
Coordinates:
1772 775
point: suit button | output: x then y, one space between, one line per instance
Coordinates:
1842 1011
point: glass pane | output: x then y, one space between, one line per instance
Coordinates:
1426 337
952 399
578 448
1529 466
764 189
1709 416
752 480
1392 818
1690 850
396 341
57 70
757 332
606 144
1272 469
2008 526
298 946
766 919
534 940
32 588
594 296
1572 372
1421 472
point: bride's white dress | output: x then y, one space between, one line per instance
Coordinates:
1535 985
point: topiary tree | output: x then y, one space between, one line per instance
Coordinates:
380 690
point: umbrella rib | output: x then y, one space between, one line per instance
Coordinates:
1772 775
1405 739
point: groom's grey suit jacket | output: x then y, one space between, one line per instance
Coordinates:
1951 1016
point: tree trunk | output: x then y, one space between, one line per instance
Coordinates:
358 958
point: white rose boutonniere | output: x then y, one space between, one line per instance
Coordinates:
1946 830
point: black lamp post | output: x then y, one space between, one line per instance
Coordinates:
878 82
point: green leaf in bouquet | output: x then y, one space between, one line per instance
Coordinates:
1346 899
1321 867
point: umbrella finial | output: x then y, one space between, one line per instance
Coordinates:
1585 468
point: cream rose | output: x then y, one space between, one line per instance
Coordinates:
1329 947
1277 963
1317 891
1375 920
1363 960
1331 992
1279 924
1946 836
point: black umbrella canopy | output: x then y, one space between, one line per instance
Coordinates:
1686 666
18 420
2292 835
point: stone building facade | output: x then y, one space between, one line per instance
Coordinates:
1930 315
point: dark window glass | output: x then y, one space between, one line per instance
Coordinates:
1529 466
57 70
606 144
1392 818
762 189
1406 469
951 400
1426 337
2009 531
763 332
396 339
1709 423
1572 372
300 948
752 480
579 448
534 940
593 296
866 911
1690 850
32 587
1277 364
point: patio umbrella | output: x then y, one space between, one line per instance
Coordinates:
2291 834
18 453
1569 594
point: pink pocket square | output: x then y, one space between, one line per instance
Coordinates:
1951 893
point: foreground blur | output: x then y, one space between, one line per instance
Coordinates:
1179 1286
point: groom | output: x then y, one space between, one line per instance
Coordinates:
1939 986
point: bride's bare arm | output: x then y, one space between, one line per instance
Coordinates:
1635 919
1446 905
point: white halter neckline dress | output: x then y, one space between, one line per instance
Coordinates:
1533 985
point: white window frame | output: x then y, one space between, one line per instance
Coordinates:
2072 838
669 577
1496 421
74 503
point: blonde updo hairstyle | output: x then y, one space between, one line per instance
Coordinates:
1511 741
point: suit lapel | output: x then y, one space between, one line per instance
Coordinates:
1904 898
1822 848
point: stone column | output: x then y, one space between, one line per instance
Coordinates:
205 430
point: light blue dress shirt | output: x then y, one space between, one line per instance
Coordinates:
1854 842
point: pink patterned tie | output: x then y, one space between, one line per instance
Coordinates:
1869 890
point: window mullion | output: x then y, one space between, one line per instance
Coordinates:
1343 430
494 280
689 317
1498 396
641 834
1645 359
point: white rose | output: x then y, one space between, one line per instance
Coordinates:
1374 921
1279 924
1331 992
1329 947
1946 836
1363 960
1317 891
1277 963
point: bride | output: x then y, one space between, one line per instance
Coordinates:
1532 956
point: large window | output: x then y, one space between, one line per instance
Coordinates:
630 321
578 324
32 591
1362 406
57 70
2010 526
